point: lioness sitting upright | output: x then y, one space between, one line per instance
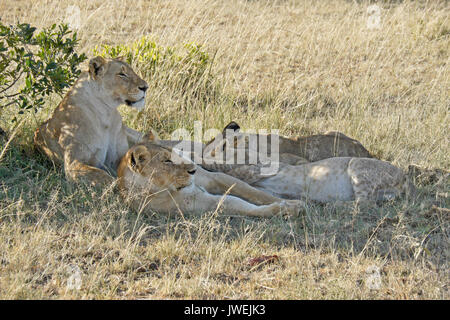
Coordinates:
86 132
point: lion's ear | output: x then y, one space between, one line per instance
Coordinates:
138 156
151 136
231 126
97 66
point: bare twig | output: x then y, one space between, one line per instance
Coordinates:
2 154
12 84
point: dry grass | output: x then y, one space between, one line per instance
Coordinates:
302 67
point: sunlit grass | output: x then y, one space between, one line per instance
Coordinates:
301 67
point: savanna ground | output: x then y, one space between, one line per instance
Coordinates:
299 66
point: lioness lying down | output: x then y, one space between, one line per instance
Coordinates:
152 177
345 171
340 178
292 151
328 180
86 132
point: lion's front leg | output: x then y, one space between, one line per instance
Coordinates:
78 170
133 136
229 204
220 183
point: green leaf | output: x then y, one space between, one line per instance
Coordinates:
28 82
46 63
52 65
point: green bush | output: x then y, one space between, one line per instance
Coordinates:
179 68
34 66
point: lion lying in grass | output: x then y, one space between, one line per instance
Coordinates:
328 180
153 178
345 171
86 132
337 179
292 151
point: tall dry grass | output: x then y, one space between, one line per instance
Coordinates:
299 66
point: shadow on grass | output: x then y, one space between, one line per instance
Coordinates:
34 193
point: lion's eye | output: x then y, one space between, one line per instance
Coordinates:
168 161
122 75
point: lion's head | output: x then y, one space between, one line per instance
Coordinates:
231 142
119 81
154 168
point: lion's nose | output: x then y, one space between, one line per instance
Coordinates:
144 88
192 171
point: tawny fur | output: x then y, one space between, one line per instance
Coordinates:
329 180
152 178
85 132
341 169
291 151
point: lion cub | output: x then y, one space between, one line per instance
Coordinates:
153 178
86 132
345 171
291 151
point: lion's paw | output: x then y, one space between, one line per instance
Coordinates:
293 207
